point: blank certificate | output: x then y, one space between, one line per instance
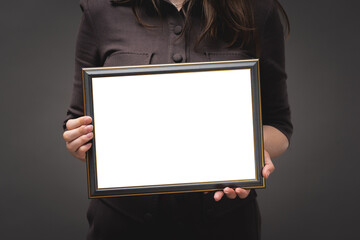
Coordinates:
173 128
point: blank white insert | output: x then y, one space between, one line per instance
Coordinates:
173 128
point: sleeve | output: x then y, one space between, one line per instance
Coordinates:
274 97
86 55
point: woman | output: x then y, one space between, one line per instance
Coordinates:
135 32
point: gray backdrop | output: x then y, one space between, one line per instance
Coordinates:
313 194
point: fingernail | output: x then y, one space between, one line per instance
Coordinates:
89 128
89 135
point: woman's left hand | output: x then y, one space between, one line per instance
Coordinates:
243 193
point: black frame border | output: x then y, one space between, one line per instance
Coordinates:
253 65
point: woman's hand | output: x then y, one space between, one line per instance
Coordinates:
243 193
79 132
275 143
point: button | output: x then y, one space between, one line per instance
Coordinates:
177 58
148 217
177 30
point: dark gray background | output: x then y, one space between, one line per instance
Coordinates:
313 194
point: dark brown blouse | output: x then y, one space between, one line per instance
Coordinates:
111 36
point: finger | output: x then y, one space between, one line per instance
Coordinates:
77 143
218 195
77 122
242 193
269 166
81 152
71 135
230 193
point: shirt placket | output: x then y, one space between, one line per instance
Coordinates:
177 45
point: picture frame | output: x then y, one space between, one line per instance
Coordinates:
174 128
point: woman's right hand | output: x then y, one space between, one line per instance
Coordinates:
79 132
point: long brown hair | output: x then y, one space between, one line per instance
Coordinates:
226 18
